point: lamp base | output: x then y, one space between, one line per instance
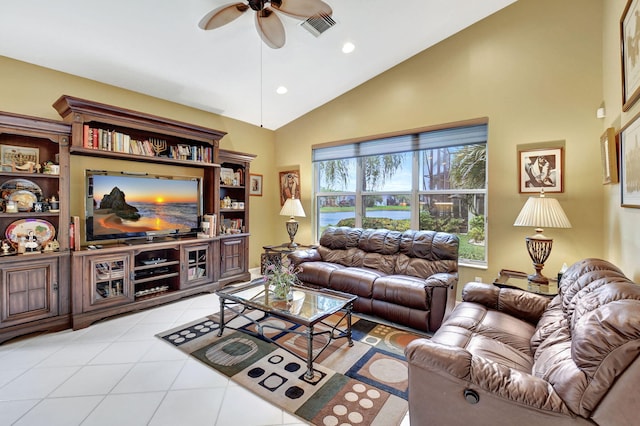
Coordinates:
292 229
539 248
538 278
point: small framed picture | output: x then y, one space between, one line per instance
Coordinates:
609 155
629 51
255 184
540 169
630 164
18 157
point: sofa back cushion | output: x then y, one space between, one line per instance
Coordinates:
416 253
340 237
430 245
589 335
379 241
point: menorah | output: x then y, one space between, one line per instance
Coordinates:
158 145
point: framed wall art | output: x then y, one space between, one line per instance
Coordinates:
255 184
289 185
629 39
630 164
19 157
609 155
541 169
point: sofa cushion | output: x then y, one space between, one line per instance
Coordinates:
346 257
573 278
383 263
380 241
316 273
551 320
340 237
402 290
429 245
421 268
357 281
595 340
493 335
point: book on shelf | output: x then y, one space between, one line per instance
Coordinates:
114 141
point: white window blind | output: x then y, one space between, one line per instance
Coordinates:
457 136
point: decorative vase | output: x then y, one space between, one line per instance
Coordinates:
282 291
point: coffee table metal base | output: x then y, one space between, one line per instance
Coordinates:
333 333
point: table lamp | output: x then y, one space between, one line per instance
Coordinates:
292 208
541 212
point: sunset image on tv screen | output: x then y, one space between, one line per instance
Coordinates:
130 204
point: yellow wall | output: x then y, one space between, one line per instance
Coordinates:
535 70
31 90
622 225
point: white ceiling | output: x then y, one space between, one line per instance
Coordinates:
155 47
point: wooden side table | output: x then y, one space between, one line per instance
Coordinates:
508 278
277 255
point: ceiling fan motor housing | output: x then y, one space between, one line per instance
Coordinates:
258 5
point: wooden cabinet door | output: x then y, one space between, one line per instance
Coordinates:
196 265
232 254
29 291
108 281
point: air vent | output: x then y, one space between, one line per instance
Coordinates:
316 25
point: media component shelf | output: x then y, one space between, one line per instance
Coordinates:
120 278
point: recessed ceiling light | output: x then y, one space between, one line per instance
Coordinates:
281 90
348 47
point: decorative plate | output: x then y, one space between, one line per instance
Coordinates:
13 185
42 229
24 198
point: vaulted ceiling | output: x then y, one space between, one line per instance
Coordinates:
155 47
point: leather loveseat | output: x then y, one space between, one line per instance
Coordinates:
510 357
408 277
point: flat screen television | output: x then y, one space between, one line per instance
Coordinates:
127 205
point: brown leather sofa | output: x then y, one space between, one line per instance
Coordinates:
510 357
409 277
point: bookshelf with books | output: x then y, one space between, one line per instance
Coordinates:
108 131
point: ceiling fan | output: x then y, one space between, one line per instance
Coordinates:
268 24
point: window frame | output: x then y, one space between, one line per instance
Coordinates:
415 193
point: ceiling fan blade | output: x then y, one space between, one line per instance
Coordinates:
222 15
270 28
302 8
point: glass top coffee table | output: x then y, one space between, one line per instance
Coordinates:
308 307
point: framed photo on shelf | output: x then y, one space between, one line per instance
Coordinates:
609 155
289 185
255 184
18 157
630 164
540 169
629 38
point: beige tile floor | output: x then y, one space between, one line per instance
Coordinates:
116 372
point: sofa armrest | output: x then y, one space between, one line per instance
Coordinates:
490 380
521 304
301 256
442 288
441 279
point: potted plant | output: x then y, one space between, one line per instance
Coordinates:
280 279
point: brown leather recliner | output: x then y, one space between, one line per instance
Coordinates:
510 357
408 277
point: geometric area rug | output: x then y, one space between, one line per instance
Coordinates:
366 384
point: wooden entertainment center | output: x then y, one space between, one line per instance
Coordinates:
82 282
